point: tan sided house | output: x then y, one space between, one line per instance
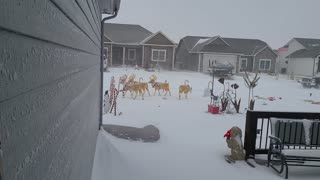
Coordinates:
127 44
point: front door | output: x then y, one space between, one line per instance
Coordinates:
318 66
117 53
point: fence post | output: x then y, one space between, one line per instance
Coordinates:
250 133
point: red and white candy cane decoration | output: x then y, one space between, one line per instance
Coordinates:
111 88
114 101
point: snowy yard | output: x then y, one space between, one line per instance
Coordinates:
191 144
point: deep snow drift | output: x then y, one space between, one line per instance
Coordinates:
191 144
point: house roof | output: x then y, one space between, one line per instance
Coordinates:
191 41
309 43
233 45
154 35
312 48
126 33
305 53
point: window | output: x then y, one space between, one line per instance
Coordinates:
131 54
243 64
158 55
265 64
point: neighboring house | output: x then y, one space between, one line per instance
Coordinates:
252 55
127 44
300 57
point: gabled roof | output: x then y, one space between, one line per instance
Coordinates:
126 33
305 53
233 45
309 43
190 41
312 48
145 41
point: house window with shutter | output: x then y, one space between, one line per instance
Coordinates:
158 55
265 64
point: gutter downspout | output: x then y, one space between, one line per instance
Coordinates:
101 64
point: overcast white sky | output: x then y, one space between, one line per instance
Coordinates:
274 21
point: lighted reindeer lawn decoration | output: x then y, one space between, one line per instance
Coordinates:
122 80
159 86
131 78
144 86
133 88
251 84
185 88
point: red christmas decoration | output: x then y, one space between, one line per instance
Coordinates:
227 134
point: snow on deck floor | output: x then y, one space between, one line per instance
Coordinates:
191 144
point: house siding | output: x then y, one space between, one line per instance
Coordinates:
267 53
50 95
182 56
294 45
148 57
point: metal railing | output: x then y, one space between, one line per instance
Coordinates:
259 127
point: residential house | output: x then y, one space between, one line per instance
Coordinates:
194 53
300 57
127 44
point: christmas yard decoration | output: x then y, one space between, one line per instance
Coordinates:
207 91
185 88
144 86
122 80
235 102
131 78
224 99
136 88
106 103
159 85
114 101
234 142
251 84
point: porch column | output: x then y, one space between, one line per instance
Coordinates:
199 62
254 64
173 60
123 55
111 55
142 62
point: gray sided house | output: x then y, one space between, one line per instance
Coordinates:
300 57
194 53
127 44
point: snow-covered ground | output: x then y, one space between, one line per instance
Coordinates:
191 144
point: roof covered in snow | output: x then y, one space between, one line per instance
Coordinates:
198 44
126 33
312 48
